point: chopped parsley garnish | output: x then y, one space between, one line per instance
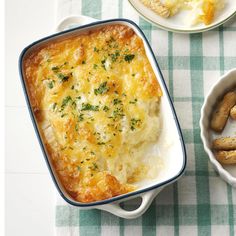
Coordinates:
65 101
55 68
105 108
51 84
78 97
81 117
118 112
116 101
134 101
115 56
103 64
54 106
74 104
89 107
62 77
78 168
95 49
95 166
95 66
101 143
76 128
64 114
133 74
72 87
83 62
129 57
101 89
134 123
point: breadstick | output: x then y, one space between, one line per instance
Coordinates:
221 114
157 7
226 143
226 157
233 112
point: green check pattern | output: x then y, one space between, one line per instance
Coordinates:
200 203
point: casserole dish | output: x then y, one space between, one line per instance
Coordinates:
170 142
226 83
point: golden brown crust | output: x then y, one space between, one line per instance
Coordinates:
80 89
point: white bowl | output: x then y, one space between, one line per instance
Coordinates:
227 82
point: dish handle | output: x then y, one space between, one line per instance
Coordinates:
116 209
73 21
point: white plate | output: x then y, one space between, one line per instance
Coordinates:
176 23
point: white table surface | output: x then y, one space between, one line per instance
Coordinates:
30 194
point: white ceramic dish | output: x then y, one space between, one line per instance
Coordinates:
171 145
177 24
227 82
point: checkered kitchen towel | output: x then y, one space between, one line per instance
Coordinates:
200 203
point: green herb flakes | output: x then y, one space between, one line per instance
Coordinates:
55 68
54 106
106 108
116 101
134 123
89 107
101 89
65 101
129 57
63 78
76 128
51 84
81 117
134 101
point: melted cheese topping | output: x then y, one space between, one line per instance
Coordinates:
95 98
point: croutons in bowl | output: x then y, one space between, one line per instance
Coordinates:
218 128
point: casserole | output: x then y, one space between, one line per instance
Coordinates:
170 145
226 83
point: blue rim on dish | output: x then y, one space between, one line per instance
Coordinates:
40 139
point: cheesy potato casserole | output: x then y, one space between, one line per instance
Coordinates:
96 101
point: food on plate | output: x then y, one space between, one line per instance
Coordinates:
158 7
233 112
226 157
199 11
224 143
221 113
96 101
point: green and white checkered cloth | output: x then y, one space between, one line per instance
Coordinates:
200 203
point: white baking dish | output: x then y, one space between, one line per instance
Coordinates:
171 144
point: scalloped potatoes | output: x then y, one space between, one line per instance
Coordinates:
96 101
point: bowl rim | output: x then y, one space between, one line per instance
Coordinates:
161 79
218 167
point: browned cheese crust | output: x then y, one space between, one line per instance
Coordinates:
89 93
